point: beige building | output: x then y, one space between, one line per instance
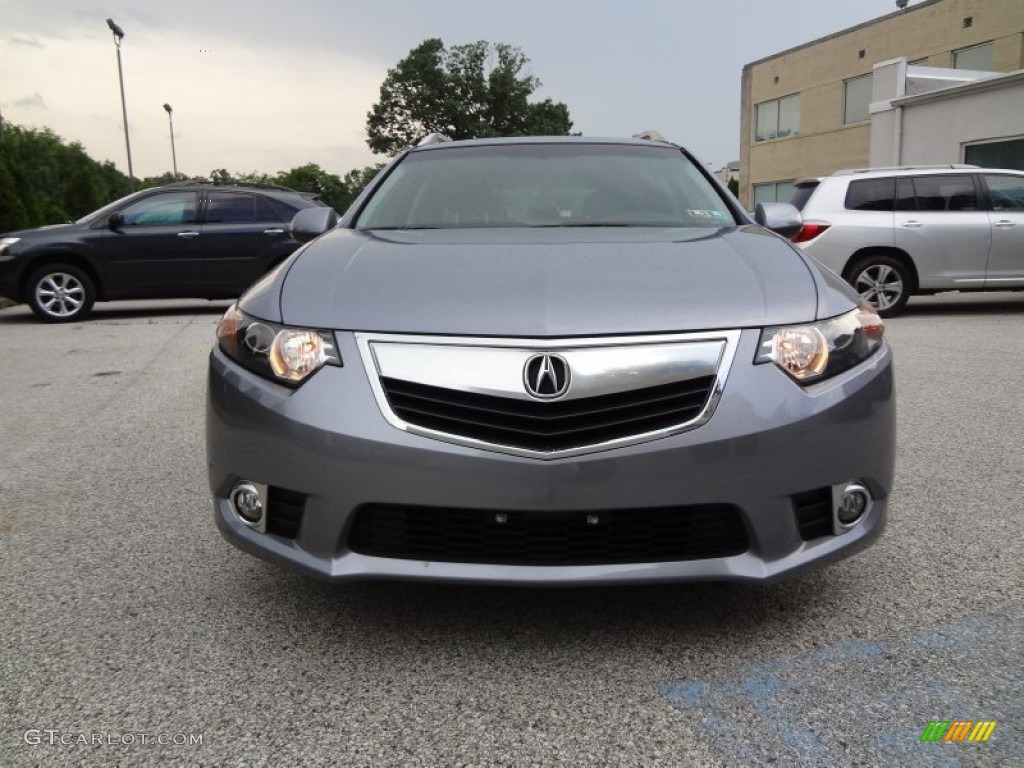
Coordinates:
805 111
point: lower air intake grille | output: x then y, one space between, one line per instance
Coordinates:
814 513
548 538
284 511
548 426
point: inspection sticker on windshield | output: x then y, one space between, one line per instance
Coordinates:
701 213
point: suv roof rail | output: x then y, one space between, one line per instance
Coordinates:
253 184
433 138
943 166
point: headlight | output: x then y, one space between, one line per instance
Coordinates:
278 352
5 242
815 351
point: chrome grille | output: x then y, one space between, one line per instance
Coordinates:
614 391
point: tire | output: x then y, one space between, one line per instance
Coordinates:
60 293
883 282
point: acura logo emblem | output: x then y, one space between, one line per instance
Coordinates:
546 376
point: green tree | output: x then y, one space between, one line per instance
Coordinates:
221 176
312 178
357 179
53 180
13 214
83 193
255 177
734 186
159 181
466 91
114 182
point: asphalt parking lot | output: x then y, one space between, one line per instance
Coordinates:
125 613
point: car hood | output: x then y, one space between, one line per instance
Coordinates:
48 230
547 282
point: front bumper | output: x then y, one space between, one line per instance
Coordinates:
9 276
768 441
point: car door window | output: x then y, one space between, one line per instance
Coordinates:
1006 193
870 195
168 209
230 207
905 200
946 193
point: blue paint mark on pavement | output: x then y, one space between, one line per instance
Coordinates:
866 702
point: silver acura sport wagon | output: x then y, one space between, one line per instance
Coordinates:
549 361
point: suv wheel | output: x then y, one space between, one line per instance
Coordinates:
60 293
883 282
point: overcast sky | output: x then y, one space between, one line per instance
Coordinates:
266 86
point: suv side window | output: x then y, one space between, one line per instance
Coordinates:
945 193
162 209
871 195
1006 192
905 199
234 207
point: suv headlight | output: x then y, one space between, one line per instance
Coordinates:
281 353
815 351
6 242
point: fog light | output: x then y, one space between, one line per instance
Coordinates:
247 500
853 503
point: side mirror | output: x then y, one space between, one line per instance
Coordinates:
115 221
782 218
310 223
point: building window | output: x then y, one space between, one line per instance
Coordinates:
918 62
773 192
977 57
778 118
857 100
1008 153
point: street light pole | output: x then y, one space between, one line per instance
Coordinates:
118 35
174 156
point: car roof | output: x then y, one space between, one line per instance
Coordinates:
275 191
850 174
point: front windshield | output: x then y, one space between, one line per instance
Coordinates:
545 185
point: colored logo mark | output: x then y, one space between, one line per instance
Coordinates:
958 730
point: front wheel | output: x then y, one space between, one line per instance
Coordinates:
883 282
60 293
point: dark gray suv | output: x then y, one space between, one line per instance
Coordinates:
549 361
178 241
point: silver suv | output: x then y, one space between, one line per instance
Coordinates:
895 232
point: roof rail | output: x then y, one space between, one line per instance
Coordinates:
253 184
433 138
943 166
